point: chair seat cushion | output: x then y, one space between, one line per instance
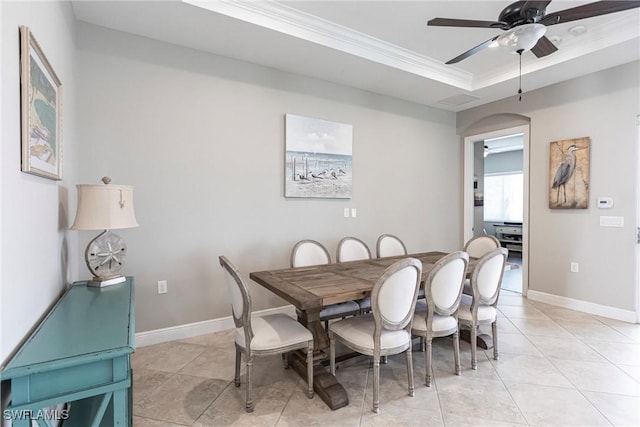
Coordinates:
274 331
485 312
440 324
358 331
339 310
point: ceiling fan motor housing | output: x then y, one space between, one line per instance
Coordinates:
514 15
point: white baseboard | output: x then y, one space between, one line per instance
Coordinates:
584 306
189 330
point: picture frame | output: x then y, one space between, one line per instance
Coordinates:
318 158
569 174
40 111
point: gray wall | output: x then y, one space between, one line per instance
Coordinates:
201 139
39 254
603 106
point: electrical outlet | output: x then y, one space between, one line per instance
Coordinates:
162 287
346 212
353 212
575 267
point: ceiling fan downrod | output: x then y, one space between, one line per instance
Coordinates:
520 76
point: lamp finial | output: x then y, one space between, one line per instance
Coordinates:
106 179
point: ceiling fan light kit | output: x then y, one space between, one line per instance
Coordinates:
521 38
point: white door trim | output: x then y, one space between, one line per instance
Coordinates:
467 192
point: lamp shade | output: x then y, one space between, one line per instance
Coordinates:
104 207
523 37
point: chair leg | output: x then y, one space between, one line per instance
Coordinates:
238 361
494 332
409 355
310 369
427 362
456 351
423 344
332 353
474 345
376 384
249 405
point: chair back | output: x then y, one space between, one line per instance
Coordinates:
393 298
480 245
240 298
352 249
309 252
487 277
389 245
443 286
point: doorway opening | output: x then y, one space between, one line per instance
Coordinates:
496 171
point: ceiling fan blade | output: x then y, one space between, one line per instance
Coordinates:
544 47
472 51
588 10
446 22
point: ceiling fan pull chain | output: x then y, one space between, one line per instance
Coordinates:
520 77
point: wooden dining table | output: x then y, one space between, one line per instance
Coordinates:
310 289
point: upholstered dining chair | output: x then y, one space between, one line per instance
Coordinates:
476 247
262 336
352 249
480 245
438 315
387 329
480 308
389 245
310 252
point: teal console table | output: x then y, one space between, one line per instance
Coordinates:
80 353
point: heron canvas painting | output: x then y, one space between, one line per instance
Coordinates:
318 159
569 174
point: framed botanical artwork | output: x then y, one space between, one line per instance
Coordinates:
318 159
569 173
41 110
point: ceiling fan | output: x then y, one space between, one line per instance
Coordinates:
525 22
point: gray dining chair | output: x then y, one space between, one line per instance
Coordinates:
438 315
480 308
309 252
387 329
264 335
389 245
354 249
480 245
476 247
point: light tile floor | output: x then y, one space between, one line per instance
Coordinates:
557 367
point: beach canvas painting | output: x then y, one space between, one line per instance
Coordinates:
318 159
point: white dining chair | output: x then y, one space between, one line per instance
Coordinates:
354 249
438 315
480 245
480 308
387 329
476 247
389 245
309 252
264 335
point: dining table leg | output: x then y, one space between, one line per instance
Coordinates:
325 385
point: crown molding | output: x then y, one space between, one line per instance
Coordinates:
287 20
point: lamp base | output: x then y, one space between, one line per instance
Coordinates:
98 282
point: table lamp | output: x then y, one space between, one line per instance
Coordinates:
105 207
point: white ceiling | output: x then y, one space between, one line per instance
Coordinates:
380 46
